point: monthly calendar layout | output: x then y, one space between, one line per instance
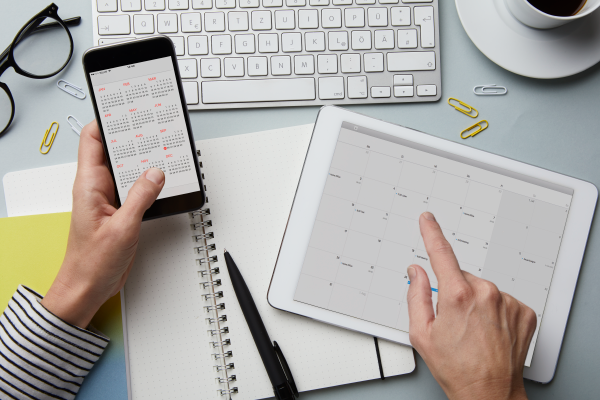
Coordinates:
366 232
142 118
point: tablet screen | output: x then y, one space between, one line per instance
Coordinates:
503 226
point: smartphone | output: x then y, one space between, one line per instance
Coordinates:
140 107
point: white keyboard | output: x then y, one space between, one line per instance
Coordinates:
272 53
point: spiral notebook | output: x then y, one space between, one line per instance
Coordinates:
186 334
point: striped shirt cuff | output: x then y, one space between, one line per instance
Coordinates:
41 356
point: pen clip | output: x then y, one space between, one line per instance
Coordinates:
286 369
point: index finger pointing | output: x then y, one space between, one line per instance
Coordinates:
443 261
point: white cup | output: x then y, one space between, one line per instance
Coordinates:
531 16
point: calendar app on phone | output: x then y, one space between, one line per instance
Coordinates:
144 126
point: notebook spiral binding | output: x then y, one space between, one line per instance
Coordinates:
209 282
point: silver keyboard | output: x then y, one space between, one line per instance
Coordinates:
273 53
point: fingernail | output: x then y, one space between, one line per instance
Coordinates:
429 216
155 175
412 273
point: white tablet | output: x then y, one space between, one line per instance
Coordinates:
353 229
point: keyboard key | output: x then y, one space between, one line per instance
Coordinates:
350 63
154 5
244 44
268 43
373 62
338 40
400 16
190 92
201 4
384 39
424 19
407 38
426 90
388 1
308 19
257 66
377 16
331 88
167 23
210 67
411 61
221 44
331 18
380 91
354 17
197 45
234 67
403 80
188 68
272 3
361 40
285 19
190 22
113 25
357 87
107 5
130 5
214 21
327 63
225 3
363 2
295 3
238 20
178 42
249 3
281 65
342 2
403 91
261 20
314 41
417 1
304 65
179 4
104 41
319 2
291 42
255 90
143 24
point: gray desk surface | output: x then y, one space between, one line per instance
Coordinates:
552 124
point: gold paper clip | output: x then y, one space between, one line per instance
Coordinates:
44 141
477 125
468 110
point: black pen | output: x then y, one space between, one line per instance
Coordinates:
272 357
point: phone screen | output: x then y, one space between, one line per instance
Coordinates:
144 125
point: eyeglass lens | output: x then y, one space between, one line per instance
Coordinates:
43 52
5 109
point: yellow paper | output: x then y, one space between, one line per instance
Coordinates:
32 249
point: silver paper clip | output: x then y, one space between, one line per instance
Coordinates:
78 93
78 125
490 90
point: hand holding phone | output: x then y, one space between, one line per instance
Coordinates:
139 104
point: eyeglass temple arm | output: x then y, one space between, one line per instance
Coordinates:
36 28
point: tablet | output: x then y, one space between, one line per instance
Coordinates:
353 229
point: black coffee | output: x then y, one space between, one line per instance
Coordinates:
559 8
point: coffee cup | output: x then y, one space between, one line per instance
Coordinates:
542 17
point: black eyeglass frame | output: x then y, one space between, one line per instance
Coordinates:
7 58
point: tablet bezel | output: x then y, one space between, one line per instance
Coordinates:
306 203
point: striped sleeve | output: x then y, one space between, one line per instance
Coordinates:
41 356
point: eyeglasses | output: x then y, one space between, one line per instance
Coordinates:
36 56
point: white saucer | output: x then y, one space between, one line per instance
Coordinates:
535 53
